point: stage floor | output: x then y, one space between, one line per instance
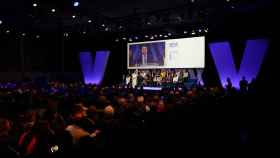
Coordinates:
151 88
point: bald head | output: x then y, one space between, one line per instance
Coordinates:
109 110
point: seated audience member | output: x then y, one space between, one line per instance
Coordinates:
6 147
81 125
161 106
39 141
56 120
78 113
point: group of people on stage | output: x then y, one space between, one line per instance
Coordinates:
155 77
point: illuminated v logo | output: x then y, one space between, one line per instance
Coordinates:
250 65
94 72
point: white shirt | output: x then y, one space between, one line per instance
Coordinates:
127 79
175 79
186 74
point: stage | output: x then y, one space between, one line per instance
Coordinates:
187 85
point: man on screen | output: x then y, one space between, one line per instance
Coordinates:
148 54
144 54
151 55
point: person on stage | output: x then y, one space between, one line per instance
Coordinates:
175 78
134 78
127 79
185 75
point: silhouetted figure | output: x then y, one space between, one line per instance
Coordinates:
243 84
229 84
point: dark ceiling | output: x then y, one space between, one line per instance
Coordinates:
128 16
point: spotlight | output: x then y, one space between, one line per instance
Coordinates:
199 30
160 35
76 4
66 34
124 38
106 29
169 34
185 32
84 32
120 27
192 1
103 25
89 21
8 31
117 40
1 22
228 0
53 10
165 36
146 36
152 37
73 16
232 7
23 34
37 36
130 40
136 38
155 36
35 4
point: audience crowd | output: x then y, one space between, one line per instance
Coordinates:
59 119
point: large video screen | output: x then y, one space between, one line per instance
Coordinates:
173 53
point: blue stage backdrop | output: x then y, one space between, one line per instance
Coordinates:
94 72
253 56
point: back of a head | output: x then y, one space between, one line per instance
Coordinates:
109 111
140 99
78 111
4 126
228 80
92 111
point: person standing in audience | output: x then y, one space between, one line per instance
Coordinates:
229 85
243 84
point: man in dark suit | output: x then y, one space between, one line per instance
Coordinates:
143 58
147 57
144 55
